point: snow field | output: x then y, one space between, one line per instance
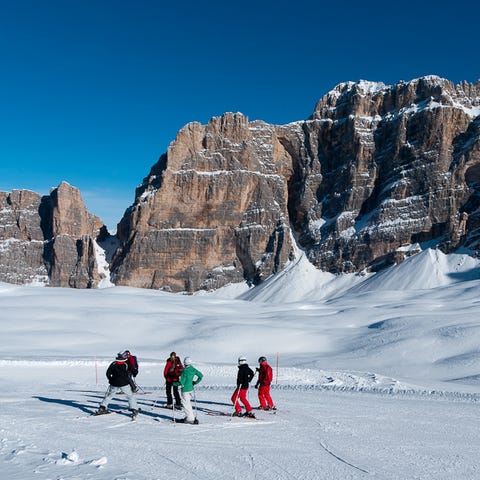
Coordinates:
379 377
47 432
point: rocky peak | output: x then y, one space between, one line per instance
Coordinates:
386 166
69 214
48 239
212 211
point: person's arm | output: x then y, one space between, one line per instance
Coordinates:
199 377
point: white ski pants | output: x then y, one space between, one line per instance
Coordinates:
187 406
127 390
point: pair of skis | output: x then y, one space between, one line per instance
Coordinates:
99 413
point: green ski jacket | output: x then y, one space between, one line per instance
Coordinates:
189 375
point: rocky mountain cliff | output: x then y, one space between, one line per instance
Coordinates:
379 167
213 210
49 239
374 171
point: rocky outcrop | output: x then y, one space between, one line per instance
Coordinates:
376 168
213 210
22 226
48 239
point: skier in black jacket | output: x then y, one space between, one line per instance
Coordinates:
118 378
244 377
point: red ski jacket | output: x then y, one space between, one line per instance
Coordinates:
173 370
265 374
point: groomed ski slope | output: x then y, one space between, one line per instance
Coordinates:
377 378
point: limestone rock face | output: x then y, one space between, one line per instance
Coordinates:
379 167
48 239
213 210
375 170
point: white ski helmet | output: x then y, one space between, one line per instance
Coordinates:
187 361
242 360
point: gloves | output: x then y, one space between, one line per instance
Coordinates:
194 383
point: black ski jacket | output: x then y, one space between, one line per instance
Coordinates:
117 374
244 376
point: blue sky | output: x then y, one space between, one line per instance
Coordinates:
93 91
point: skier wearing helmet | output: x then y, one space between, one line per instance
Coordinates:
244 377
188 379
263 384
119 382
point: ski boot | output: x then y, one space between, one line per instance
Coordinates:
249 415
101 411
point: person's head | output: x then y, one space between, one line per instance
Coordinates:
120 357
242 360
126 353
187 361
173 355
262 359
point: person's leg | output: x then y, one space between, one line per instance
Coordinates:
187 406
132 401
243 399
261 397
268 398
235 398
178 401
168 389
108 396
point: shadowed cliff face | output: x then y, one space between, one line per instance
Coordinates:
375 168
49 239
379 167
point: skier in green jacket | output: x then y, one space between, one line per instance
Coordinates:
188 379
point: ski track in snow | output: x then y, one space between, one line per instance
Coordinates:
378 377
314 434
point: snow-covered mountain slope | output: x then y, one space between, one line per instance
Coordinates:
374 375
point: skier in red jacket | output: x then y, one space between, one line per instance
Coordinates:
172 371
265 376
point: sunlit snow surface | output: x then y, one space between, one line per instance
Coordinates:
378 376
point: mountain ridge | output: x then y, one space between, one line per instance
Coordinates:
374 169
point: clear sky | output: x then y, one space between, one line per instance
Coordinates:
93 91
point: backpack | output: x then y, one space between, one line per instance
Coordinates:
132 365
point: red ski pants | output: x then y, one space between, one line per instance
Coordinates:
264 396
240 394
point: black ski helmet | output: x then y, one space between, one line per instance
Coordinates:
262 359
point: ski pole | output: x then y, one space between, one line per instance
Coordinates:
141 388
155 402
195 400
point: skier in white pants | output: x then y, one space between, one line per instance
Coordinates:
188 379
117 374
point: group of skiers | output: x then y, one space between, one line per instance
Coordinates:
121 375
